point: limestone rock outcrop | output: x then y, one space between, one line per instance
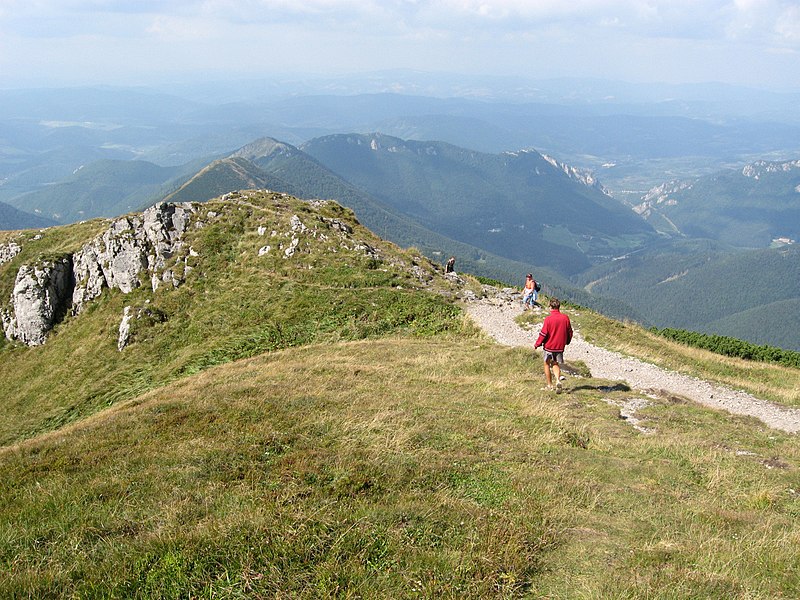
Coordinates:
9 251
135 250
40 298
131 248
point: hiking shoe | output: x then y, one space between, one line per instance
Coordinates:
558 388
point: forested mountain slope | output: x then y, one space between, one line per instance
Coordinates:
707 286
13 218
103 188
751 207
517 205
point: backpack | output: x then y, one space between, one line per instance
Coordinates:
537 286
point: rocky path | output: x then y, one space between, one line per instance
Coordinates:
497 319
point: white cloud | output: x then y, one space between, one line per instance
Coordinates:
640 38
752 20
176 28
766 21
270 11
788 26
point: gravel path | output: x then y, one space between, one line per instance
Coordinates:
496 317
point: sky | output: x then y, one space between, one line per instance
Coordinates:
51 43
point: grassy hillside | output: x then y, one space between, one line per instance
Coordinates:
328 425
235 303
399 467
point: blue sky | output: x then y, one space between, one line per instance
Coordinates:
78 42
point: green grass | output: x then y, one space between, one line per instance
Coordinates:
320 426
234 304
400 467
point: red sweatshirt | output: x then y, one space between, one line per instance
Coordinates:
556 332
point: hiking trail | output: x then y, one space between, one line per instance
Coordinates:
496 317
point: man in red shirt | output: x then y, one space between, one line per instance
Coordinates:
556 333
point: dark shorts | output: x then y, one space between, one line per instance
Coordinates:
553 357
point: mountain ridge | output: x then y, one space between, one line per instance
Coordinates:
14 218
522 195
306 177
151 289
308 412
751 207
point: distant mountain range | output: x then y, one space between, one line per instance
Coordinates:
753 207
459 177
635 133
12 218
103 188
518 205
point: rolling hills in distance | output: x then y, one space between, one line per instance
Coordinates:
104 188
675 282
13 218
78 148
645 132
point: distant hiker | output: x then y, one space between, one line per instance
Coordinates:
451 265
529 293
556 333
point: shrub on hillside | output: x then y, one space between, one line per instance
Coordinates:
731 346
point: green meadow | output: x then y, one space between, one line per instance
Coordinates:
331 427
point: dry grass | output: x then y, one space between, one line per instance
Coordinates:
764 380
243 448
397 468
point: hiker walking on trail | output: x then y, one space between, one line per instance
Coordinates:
451 265
556 333
529 293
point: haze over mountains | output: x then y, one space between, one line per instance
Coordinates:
543 179
13 218
754 207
